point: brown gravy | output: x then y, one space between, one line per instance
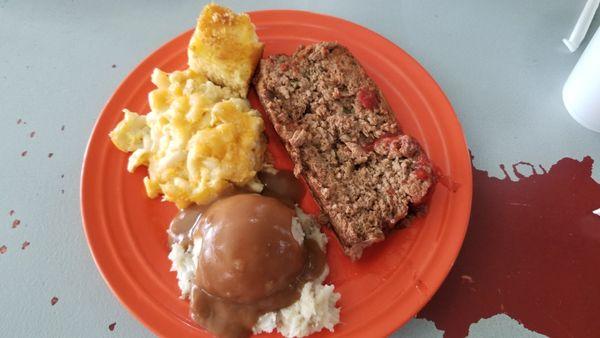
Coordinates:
248 251
250 263
183 224
283 185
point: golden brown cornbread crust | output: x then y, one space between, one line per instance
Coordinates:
225 48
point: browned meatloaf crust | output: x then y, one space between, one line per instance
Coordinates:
342 135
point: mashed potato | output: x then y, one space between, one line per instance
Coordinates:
314 311
198 140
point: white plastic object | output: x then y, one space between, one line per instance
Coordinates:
597 211
581 93
582 25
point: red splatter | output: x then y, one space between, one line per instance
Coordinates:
368 98
50 155
15 223
19 121
11 212
62 128
25 245
532 251
445 180
515 168
543 169
32 134
111 326
421 286
24 153
448 183
54 300
3 249
503 168
421 174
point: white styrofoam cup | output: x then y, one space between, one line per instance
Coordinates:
581 93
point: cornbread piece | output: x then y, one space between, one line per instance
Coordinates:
343 137
225 48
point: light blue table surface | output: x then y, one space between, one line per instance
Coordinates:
501 63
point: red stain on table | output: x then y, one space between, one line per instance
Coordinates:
24 153
3 249
53 300
111 326
50 155
532 251
25 245
15 223
11 212
32 134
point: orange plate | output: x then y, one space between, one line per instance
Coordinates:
126 230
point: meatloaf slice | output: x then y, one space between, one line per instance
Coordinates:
344 139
